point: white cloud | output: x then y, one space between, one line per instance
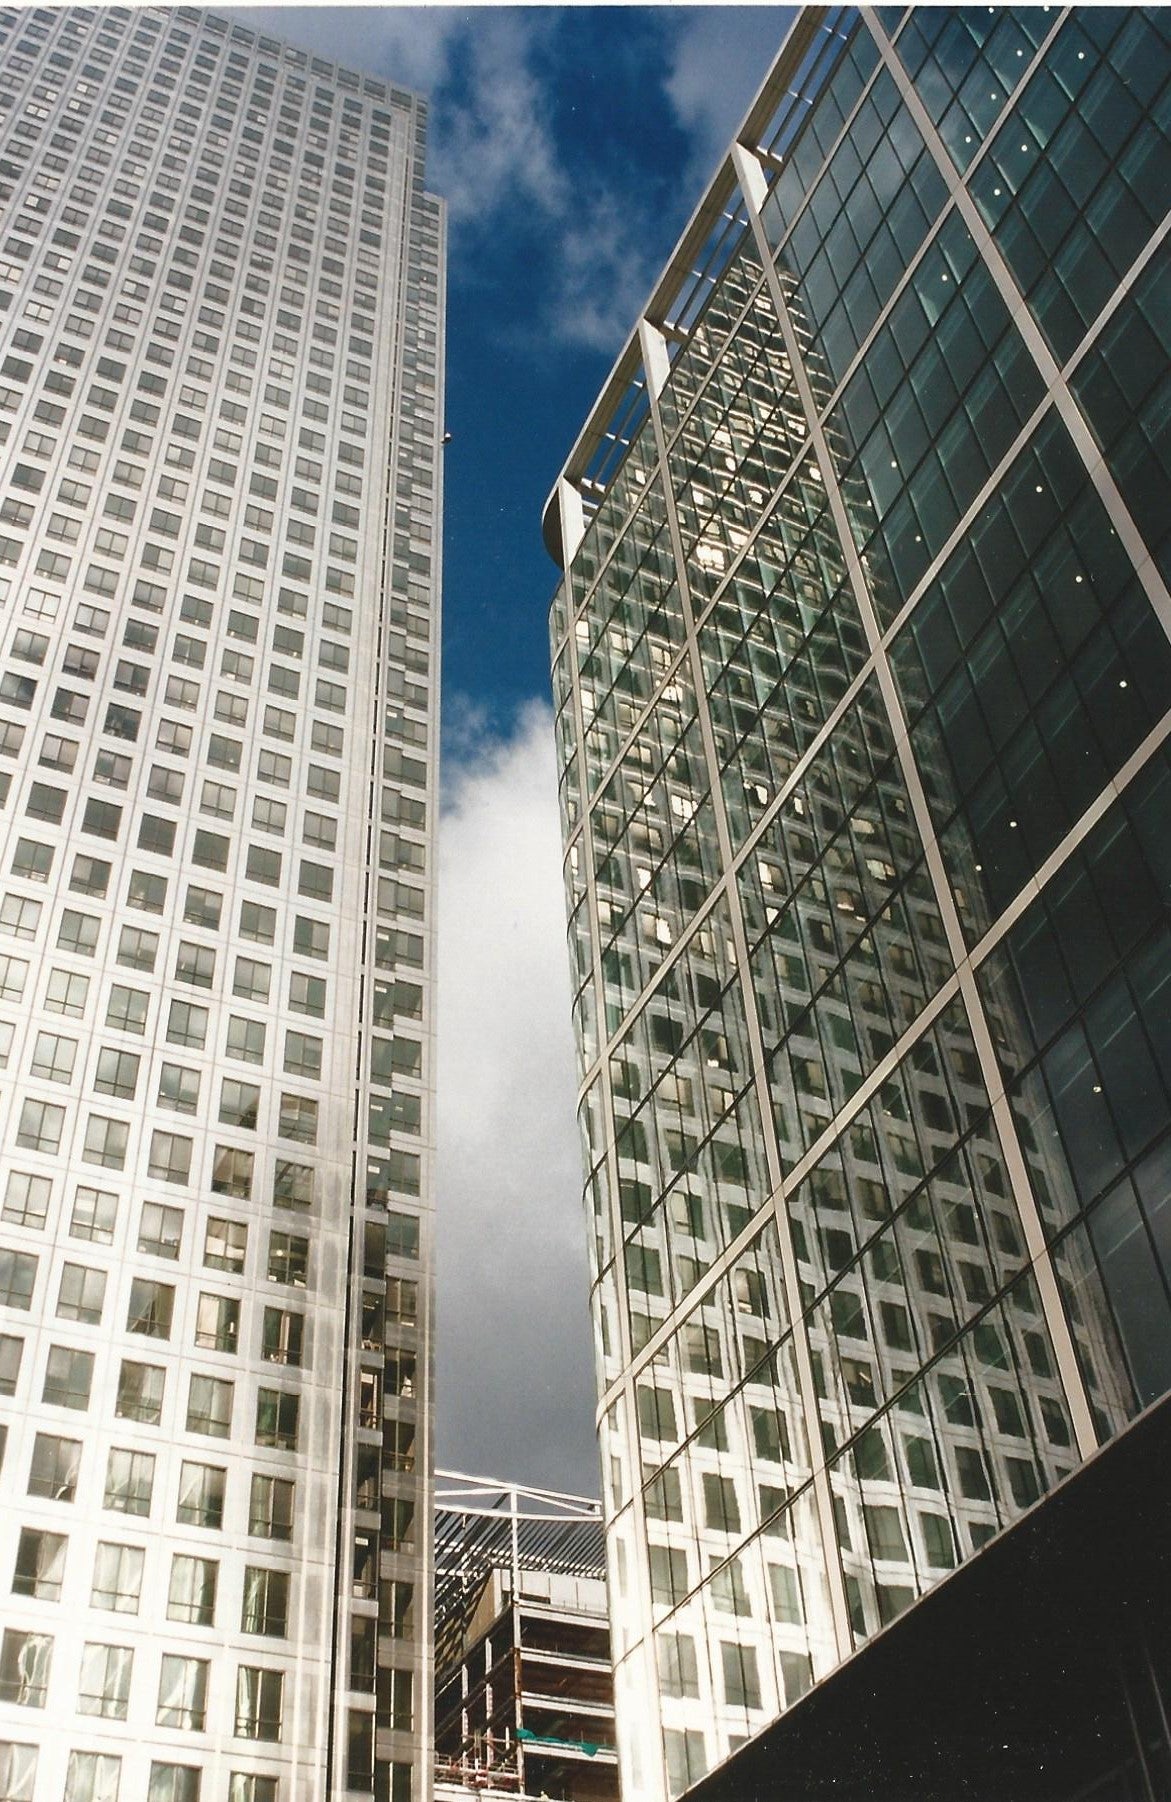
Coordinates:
491 141
515 1372
494 148
603 276
719 56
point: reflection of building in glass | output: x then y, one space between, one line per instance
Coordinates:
221 321
524 1701
862 677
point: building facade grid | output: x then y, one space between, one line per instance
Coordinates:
860 667
221 306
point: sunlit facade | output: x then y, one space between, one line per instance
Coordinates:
221 318
862 675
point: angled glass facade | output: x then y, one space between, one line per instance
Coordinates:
862 674
220 373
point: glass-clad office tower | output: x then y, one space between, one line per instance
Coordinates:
862 678
221 297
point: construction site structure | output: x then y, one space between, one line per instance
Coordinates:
524 1697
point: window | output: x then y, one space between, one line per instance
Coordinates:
160 1230
195 964
129 1482
11 1348
288 1259
402 1236
266 1602
251 980
264 865
40 1126
321 830
105 1142
26 1200
116 1073
277 1415
67 993
239 1103
104 1688
310 937
53 1468
217 1322
259 1703
218 799
45 804
95 1214
402 1300
274 767
302 1055
173 1783
92 1777
209 1407
53 1057
201 1496
68 1378
140 1393
225 1246
40 1564
269 815
178 1088
245 1039
117 1581
187 1025
192 1593
19 917
270 1508
137 948
156 835
210 849
202 908
316 882
298 1119
232 1172
58 753
247 1786
127 1009
182 1693
257 923
81 1294
282 1336
152 1306
170 1157
292 1184
102 818
24 1668
112 768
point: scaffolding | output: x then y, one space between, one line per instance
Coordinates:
524 1697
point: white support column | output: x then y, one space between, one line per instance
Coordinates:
751 177
655 361
572 515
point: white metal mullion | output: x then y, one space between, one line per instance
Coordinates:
1056 1321
761 1087
926 1018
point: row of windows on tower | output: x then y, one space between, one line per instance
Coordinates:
200 54
26 1658
141 1388
97 1777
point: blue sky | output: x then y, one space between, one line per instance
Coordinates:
571 144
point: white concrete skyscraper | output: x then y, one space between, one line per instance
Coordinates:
221 314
